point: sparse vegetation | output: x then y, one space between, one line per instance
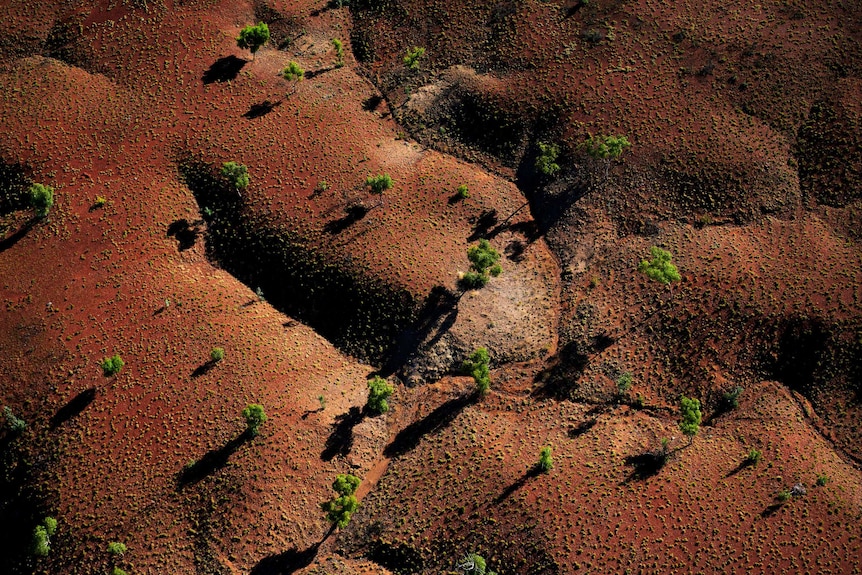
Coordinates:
42 199
13 423
293 73
659 268
783 496
546 462
822 479
340 509
338 45
253 37
477 366
483 261
690 417
379 391
112 365
216 354
411 59
236 175
254 418
546 161
101 202
118 571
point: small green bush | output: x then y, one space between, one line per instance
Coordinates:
118 571
338 45
379 391
293 72
13 423
462 192
112 365
42 199
783 496
340 509
41 545
731 398
253 37
346 484
236 175
546 462
624 384
217 354
754 456
254 418
474 564
379 183
691 417
546 161
411 59
101 202
477 366
659 268
605 147
483 261
117 548
822 479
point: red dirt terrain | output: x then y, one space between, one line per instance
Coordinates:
745 162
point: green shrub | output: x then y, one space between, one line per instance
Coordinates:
379 183
477 366
254 418
379 391
754 456
101 202
13 423
236 175
473 280
112 365
483 261
659 268
624 384
118 571
822 479
42 199
546 462
293 72
606 147
41 545
462 192
546 161
731 398
340 509
117 548
691 417
346 484
411 59
217 354
339 52
783 496
253 37
474 564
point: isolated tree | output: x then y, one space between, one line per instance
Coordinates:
659 268
477 366
41 198
338 45
254 418
483 261
236 175
216 354
624 384
606 148
117 548
379 391
731 398
690 417
253 37
474 564
13 423
546 462
411 59
546 161
754 456
112 365
42 533
379 183
340 509
293 73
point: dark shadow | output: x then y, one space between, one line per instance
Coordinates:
7 243
314 73
75 406
534 471
409 437
515 251
572 10
159 311
223 70
370 103
771 510
743 465
485 221
186 233
581 429
645 465
560 378
340 439
260 110
353 214
601 342
287 562
211 462
310 412
204 368
438 315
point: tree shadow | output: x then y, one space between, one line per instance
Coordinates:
483 224
771 510
534 471
645 465
286 563
340 439
314 73
7 243
211 462
409 437
186 233
437 316
204 368
75 406
223 70
575 432
745 463
353 214
515 251
260 110
559 378
371 103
